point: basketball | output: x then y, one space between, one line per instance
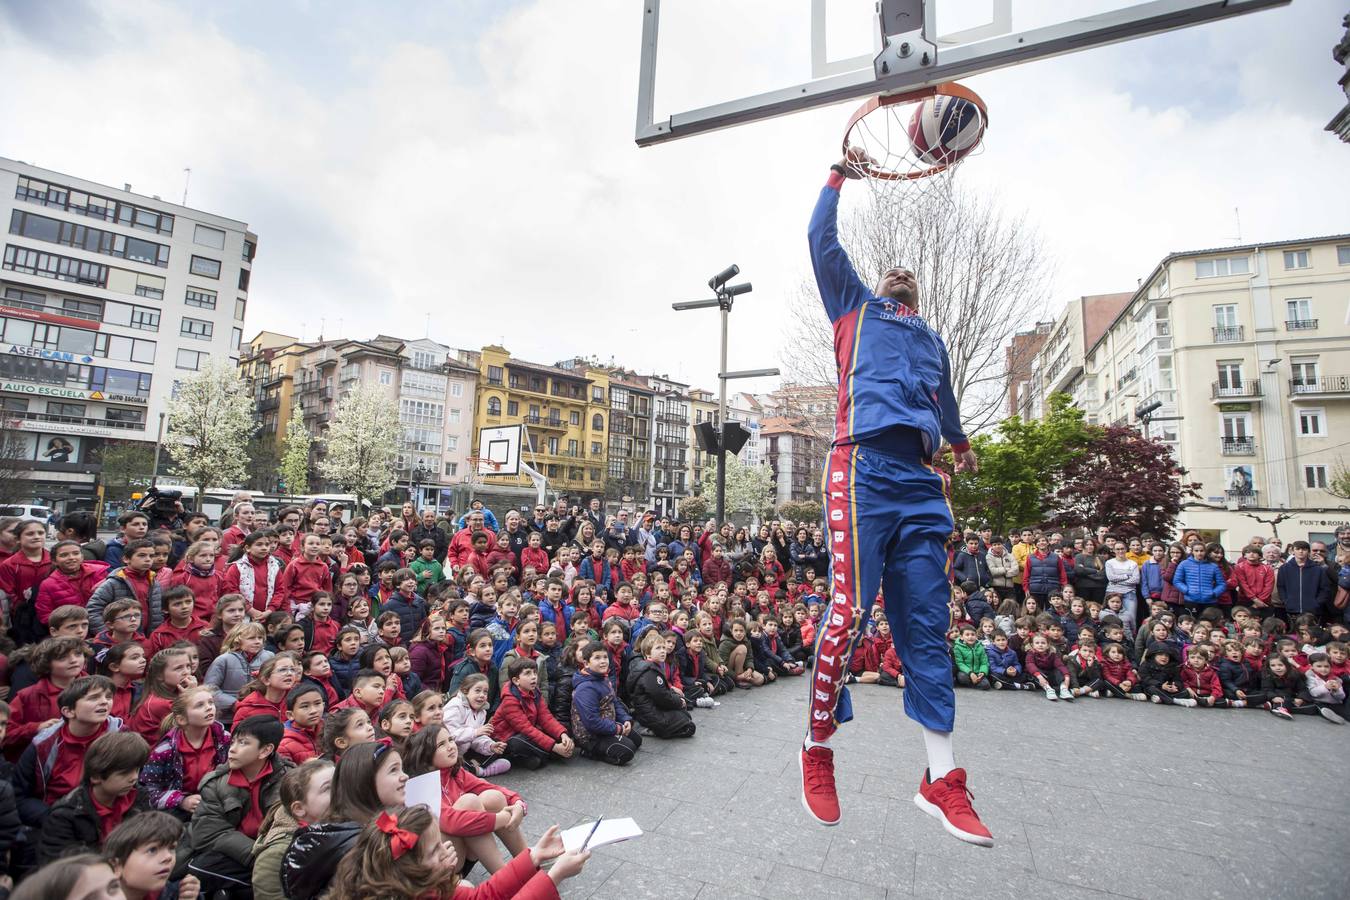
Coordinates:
943 129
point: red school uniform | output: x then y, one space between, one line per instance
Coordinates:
253 816
168 634
68 767
323 635
534 556
198 762
352 702
124 697
257 704
31 707
299 581
299 745
148 718
206 588
457 782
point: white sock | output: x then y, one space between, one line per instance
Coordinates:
810 743
940 758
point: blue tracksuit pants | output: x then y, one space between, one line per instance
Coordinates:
888 521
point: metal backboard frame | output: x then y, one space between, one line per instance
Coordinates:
915 58
501 444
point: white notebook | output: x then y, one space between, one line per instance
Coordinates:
611 831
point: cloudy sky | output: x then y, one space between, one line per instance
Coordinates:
472 161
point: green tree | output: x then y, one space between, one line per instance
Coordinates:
1019 466
749 488
210 421
16 453
294 468
693 509
808 511
127 467
1339 486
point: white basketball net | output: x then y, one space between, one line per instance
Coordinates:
899 176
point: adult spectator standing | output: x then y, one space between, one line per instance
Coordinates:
242 527
1304 584
646 537
426 530
407 517
969 565
1044 572
540 520
1023 548
1002 568
554 538
461 545
1089 573
476 506
517 534
595 515
227 517
618 535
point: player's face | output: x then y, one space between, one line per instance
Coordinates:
900 284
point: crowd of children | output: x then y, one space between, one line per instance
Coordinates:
238 710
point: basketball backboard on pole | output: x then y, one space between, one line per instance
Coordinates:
499 450
710 64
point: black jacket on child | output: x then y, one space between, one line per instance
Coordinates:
73 825
655 704
1153 676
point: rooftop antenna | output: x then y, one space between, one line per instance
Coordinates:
323 322
187 179
1237 217
428 332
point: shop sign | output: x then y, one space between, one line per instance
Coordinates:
1234 407
30 425
36 316
48 390
40 353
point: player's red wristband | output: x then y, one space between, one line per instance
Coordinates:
961 447
836 180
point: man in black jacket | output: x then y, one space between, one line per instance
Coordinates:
426 530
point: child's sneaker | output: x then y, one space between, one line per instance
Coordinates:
1331 716
1137 696
1237 704
705 703
1065 693
998 685
1155 698
948 800
496 767
1095 695
1280 712
819 798
1050 694
1186 702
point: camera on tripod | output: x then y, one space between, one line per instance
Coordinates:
161 506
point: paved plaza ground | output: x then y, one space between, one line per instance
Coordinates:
1097 798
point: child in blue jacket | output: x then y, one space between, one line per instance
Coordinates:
601 723
1199 581
1004 668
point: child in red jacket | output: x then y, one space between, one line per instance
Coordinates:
302 579
1199 681
531 733
1119 679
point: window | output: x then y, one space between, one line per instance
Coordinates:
198 329
50 265
201 298
534 410
597 422
452 469
456 390
1214 268
1343 255
1237 426
207 236
386 377
494 374
452 443
595 448
494 406
1310 423
250 249
14 404
94 240
454 416
244 275
237 338
113 414
1225 316
207 268
147 219
574 418
1299 310
1230 378
113 346
1296 259
597 394
1315 477
73 410
240 306
512 408
1304 372
190 359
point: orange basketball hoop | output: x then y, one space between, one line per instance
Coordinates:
484 466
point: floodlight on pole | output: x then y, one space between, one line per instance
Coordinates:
715 283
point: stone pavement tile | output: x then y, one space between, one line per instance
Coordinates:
633 882
789 781
541 815
717 892
787 838
790 882
680 779
909 828
872 861
1102 859
589 883
717 862
1303 792
940 878
1257 876
609 796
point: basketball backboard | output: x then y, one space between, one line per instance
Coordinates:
709 64
499 450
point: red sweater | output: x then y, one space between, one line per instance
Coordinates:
890 662
168 634
1116 672
257 704
299 745
324 635
149 718
1255 581
299 581
534 556
206 589
60 589
457 782
1205 682
20 577
526 715
230 583
31 707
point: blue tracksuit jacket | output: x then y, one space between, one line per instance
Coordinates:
893 368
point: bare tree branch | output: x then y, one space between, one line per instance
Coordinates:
983 275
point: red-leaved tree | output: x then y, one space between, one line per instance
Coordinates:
1127 482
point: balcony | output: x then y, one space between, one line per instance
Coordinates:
267 404
1300 324
546 422
1247 390
673 419
53 310
1227 334
1237 446
326 357
1241 498
1321 387
79 420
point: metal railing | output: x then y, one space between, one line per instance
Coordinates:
1300 324
1227 334
1243 390
79 420
1242 498
1322 384
1239 446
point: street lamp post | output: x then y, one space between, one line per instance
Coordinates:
725 296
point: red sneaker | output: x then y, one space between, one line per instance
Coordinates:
818 795
948 799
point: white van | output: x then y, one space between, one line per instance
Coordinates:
41 513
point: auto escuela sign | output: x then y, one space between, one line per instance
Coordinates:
65 393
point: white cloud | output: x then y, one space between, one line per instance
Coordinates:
499 189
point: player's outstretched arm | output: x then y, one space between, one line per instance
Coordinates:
841 290
950 411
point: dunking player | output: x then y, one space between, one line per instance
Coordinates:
888 516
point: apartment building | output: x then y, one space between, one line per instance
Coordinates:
107 299
1246 352
632 410
795 452
1056 366
670 459
703 406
